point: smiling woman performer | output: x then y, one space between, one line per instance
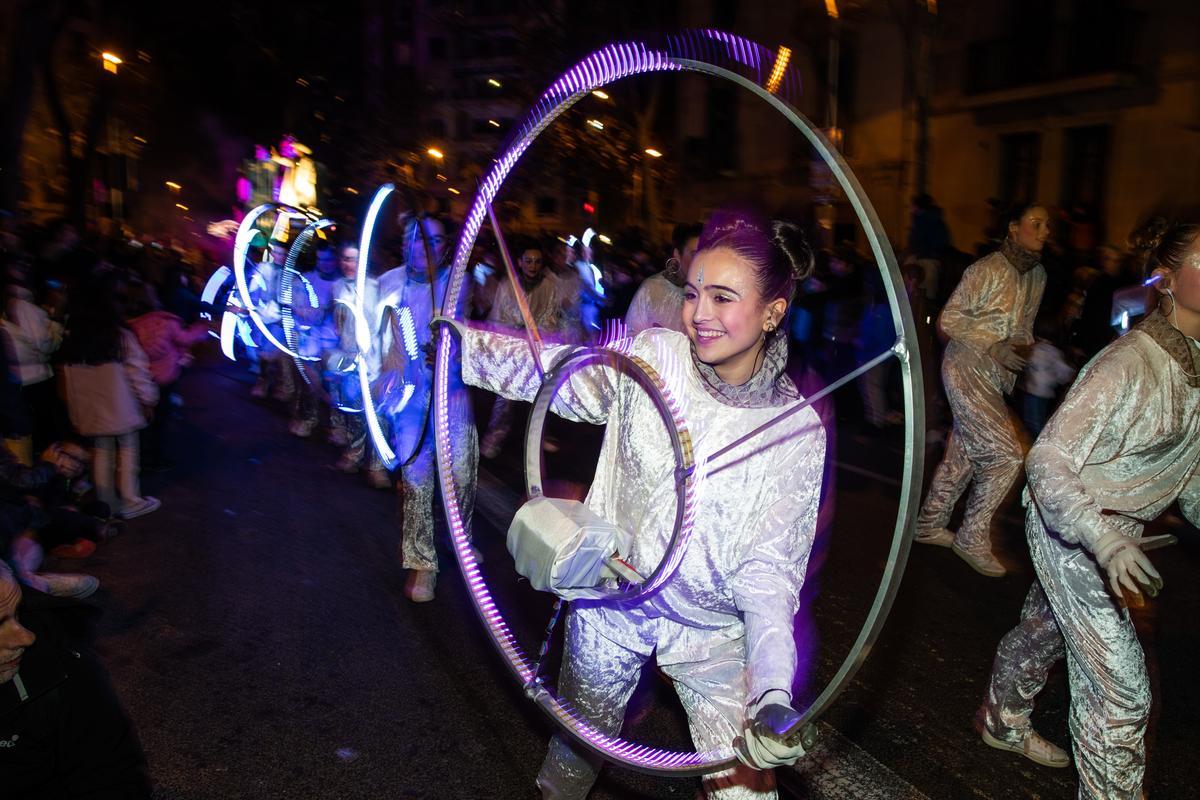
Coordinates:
988 319
721 626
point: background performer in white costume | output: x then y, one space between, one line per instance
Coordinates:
406 290
989 321
1124 445
721 626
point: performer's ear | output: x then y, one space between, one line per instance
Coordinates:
1166 279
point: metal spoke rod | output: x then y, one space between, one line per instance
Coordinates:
531 331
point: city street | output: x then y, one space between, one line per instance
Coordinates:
256 630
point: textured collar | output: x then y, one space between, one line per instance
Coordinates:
1168 337
1022 260
767 387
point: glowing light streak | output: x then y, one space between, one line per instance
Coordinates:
433 152
831 8
452 190
493 123
597 124
782 60
493 82
173 186
650 151
215 282
408 331
604 239
228 328
362 331
182 207
600 93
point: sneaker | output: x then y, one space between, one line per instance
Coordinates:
982 562
301 427
419 586
1033 746
69 585
379 479
141 507
942 537
81 548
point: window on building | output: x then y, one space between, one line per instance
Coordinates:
1019 156
1085 165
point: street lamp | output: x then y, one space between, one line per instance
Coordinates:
650 151
173 186
433 152
493 83
111 61
182 207
600 93
597 124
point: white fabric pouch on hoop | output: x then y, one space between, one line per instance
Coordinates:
565 548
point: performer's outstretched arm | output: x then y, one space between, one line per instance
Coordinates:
503 364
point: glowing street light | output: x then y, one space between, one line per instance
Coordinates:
452 190
650 151
182 207
433 152
597 124
493 82
831 9
600 93
604 239
111 61
173 186
493 123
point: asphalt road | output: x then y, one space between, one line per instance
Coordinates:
257 632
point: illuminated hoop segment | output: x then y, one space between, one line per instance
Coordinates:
245 234
287 289
681 446
755 68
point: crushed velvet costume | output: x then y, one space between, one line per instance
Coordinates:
398 290
721 626
1124 445
997 299
657 304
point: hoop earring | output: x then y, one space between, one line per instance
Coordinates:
673 268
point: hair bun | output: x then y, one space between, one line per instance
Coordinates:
790 240
1146 240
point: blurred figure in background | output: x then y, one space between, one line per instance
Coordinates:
110 393
659 300
168 345
34 337
1046 372
989 322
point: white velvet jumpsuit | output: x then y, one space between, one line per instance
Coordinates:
1124 445
411 427
721 627
657 304
994 301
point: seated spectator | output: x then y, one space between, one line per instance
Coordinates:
63 731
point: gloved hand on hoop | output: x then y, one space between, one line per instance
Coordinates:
442 321
1128 567
762 744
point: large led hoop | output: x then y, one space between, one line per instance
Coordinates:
757 68
681 447
241 244
287 288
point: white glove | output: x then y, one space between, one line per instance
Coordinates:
761 745
1128 567
1006 356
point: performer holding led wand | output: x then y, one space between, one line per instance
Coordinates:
988 319
1124 446
721 626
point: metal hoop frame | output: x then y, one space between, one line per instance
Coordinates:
765 73
681 446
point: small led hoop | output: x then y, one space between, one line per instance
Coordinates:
681 445
246 232
749 65
364 334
